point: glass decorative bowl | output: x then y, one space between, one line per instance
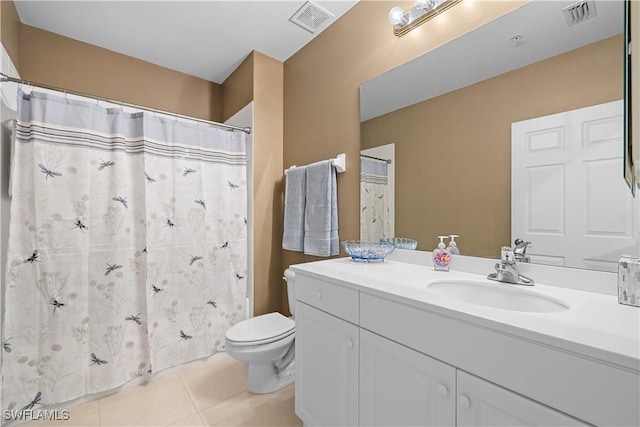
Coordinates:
400 242
360 250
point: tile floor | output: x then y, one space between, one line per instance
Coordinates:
213 394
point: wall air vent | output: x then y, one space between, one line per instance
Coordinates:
579 12
310 16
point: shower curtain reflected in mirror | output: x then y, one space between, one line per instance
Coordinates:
128 247
374 199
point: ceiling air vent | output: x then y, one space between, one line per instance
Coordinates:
579 12
310 16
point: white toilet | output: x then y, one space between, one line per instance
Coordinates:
266 345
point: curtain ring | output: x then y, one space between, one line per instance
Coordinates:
28 86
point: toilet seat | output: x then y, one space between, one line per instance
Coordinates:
259 342
260 330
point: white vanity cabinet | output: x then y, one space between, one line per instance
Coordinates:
367 357
402 387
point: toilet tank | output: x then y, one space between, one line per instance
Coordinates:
290 278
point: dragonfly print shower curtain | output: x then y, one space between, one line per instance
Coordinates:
128 247
374 199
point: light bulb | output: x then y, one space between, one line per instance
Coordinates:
425 4
396 15
420 4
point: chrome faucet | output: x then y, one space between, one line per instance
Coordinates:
520 250
507 270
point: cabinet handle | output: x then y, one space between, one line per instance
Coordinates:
319 295
443 391
464 401
349 343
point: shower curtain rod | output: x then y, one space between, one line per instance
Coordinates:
387 161
5 78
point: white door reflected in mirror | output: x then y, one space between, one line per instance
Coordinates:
568 195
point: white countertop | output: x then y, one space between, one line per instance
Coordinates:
595 325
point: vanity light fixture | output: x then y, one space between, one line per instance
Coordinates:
422 11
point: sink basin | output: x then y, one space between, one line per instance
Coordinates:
498 295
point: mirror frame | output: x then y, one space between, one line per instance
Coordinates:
629 170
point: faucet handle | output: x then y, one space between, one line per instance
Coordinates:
506 255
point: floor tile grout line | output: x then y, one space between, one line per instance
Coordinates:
193 402
222 401
131 391
215 403
127 393
99 413
117 402
202 420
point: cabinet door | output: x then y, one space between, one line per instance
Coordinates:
481 403
401 387
326 368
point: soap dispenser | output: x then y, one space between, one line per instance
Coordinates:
441 256
453 246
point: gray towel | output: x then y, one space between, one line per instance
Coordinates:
294 201
321 210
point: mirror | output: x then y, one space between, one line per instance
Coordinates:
450 115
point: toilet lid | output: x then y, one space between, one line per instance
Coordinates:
262 328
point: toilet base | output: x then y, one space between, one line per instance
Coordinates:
263 377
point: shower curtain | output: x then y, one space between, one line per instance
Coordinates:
128 247
374 199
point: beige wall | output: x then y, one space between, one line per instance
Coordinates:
237 89
58 61
268 170
10 30
260 78
453 153
322 80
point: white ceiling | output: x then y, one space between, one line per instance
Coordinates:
207 39
488 52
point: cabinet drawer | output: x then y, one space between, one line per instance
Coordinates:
329 297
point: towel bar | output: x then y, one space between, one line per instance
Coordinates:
339 162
